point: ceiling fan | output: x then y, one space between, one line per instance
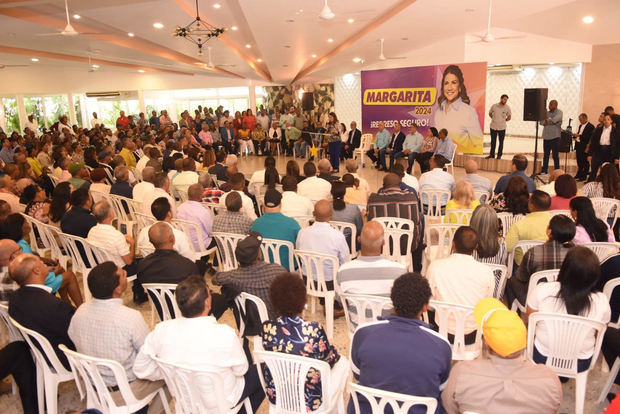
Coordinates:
488 36
382 56
326 12
3 66
68 30
210 62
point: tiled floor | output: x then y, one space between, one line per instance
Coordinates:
68 395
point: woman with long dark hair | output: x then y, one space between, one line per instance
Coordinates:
589 227
292 169
607 183
60 202
428 149
565 189
574 293
514 199
335 143
347 213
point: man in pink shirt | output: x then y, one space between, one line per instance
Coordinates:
205 135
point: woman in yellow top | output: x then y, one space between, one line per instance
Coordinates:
36 165
464 199
246 145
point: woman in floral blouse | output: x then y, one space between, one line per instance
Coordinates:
291 334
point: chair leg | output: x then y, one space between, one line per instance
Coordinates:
329 317
40 389
609 382
164 401
580 391
51 395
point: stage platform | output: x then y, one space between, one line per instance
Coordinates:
503 166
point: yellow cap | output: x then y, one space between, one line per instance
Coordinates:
503 330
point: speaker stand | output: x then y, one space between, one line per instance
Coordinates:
535 176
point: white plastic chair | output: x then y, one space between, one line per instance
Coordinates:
434 199
143 220
271 249
524 245
341 226
212 207
241 303
508 219
49 375
365 142
182 382
379 400
461 216
312 266
304 221
444 234
602 249
194 230
49 236
35 225
608 290
482 196
611 378
87 372
289 373
606 207
163 294
124 212
360 309
558 212
550 275
451 315
98 195
12 333
226 244
181 195
500 282
394 230
450 164
566 334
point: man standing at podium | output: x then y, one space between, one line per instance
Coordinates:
500 114
552 130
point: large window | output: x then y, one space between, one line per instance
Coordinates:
54 107
79 118
11 114
34 106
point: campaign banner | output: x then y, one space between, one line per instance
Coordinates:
442 96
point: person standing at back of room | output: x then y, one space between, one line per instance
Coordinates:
499 113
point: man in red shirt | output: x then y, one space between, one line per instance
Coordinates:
122 122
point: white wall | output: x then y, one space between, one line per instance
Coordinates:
348 98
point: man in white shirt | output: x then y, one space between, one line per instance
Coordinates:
6 194
478 182
226 118
400 169
162 212
313 187
293 204
187 177
198 341
351 166
500 114
105 328
63 124
237 182
145 186
263 120
32 124
141 164
459 278
95 121
436 178
161 184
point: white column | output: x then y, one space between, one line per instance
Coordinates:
21 110
141 102
252 104
72 117
2 117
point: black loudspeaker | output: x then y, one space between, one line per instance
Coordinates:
307 101
535 104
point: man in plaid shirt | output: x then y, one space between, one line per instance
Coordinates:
233 219
211 193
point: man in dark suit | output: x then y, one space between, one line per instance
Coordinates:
353 142
603 146
396 146
582 139
228 137
219 169
34 307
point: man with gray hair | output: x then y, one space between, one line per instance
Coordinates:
325 171
352 166
479 183
161 184
122 187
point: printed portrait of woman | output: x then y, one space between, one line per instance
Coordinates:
455 113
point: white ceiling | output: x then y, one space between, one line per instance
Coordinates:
285 33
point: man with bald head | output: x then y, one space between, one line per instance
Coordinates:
321 237
370 273
34 307
481 184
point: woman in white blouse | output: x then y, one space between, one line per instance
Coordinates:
574 293
456 115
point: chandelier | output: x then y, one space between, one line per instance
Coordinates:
198 31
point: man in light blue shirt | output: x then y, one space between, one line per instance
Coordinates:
382 141
412 145
551 136
445 146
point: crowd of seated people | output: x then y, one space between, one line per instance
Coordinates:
189 170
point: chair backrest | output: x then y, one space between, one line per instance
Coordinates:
12 331
524 245
558 212
274 251
51 239
379 400
34 232
500 272
602 249
241 303
226 245
188 397
609 287
448 315
360 309
194 234
161 296
350 229
87 372
542 276
444 234
304 221
124 208
312 265
78 249
144 220
482 196
182 195
508 219
41 349
460 216
289 373
98 195
606 207
398 234
566 335
434 199
366 141
213 207
55 180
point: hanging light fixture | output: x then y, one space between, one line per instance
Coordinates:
198 31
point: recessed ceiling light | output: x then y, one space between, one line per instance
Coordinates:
470 10
350 20
290 21
158 25
259 60
588 19
330 40
287 46
217 5
357 60
234 28
314 55
285 66
130 34
35 59
247 45
404 38
77 16
552 63
96 66
141 70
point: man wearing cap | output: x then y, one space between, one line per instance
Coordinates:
503 382
79 175
275 225
253 275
